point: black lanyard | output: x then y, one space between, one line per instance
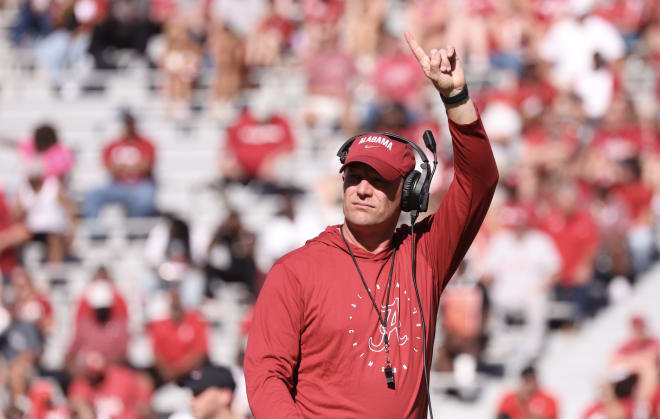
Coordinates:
389 376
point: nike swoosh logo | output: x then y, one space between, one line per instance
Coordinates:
370 146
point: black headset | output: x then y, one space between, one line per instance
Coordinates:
415 192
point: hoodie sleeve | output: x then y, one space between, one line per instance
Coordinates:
273 348
446 236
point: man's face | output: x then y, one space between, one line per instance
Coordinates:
370 201
639 331
129 126
528 387
567 199
210 403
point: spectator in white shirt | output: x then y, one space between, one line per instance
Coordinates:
522 263
571 44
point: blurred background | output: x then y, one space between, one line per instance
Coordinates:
157 156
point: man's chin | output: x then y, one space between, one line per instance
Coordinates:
364 222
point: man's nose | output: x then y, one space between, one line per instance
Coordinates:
364 188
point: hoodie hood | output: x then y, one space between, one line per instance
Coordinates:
332 237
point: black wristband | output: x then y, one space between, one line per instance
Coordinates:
457 98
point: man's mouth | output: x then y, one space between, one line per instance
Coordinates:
362 205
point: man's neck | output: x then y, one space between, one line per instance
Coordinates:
372 241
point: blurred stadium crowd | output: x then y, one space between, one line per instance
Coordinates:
568 91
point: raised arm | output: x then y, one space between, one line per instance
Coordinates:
273 348
448 234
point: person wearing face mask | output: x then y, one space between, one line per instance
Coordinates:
101 324
103 389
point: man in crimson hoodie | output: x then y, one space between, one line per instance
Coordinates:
317 347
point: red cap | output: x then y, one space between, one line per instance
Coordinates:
390 158
41 391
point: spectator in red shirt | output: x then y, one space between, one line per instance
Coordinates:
396 75
639 356
46 400
327 11
577 237
636 195
101 325
654 406
256 143
270 37
528 401
510 30
179 342
627 16
12 234
329 70
30 305
610 405
620 135
118 308
130 161
107 390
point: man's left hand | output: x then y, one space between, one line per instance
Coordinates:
442 67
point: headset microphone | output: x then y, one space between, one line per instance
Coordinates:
429 141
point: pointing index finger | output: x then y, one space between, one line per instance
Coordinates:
414 46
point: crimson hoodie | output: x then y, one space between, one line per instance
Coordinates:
316 350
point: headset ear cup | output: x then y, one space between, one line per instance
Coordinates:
409 199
